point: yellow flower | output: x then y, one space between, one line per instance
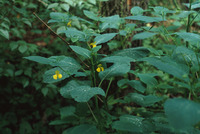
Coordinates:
69 23
93 44
57 75
99 68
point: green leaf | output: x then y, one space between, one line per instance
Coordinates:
184 14
134 53
148 79
13 45
39 59
68 64
190 37
137 85
4 33
67 111
162 10
82 51
145 19
137 11
115 70
111 22
22 48
103 38
169 66
182 113
48 75
82 129
65 7
144 101
117 59
91 15
80 92
143 35
129 123
54 5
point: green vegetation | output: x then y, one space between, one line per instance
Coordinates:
67 69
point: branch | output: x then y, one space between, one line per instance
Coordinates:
60 38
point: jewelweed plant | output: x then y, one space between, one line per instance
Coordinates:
116 88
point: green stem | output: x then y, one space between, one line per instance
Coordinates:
92 113
188 23
108 87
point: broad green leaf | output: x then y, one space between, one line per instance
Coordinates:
143 35
22 48
117 59
111 22
170 66
115 70
79 92
65 7
58 17
148 79
129 123
4 33
184 14
144 101
137 85
13 45
48 75
137 11
182 114
194 5
68 64
134 53
54 5
91 15
67 111
82 51
82 129
113 44
190 37
162 10
145 19
103 38
39 59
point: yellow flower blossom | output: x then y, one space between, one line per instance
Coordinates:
99 68
93 44
69 23
57 75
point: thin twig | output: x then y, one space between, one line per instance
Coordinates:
92 113
60 38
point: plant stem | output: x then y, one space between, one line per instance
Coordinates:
188 23
92 113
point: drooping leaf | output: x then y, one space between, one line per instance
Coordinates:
116 69
190 37
143 35
144 101
182 114
82 51
148 79
82 129
103 38
129 123
80 93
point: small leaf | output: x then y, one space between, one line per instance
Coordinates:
91 15
22 48
137 85
65 7
148 79
103 38
82 51
136 11
117 59
144 101
67 111
143 35
4 33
